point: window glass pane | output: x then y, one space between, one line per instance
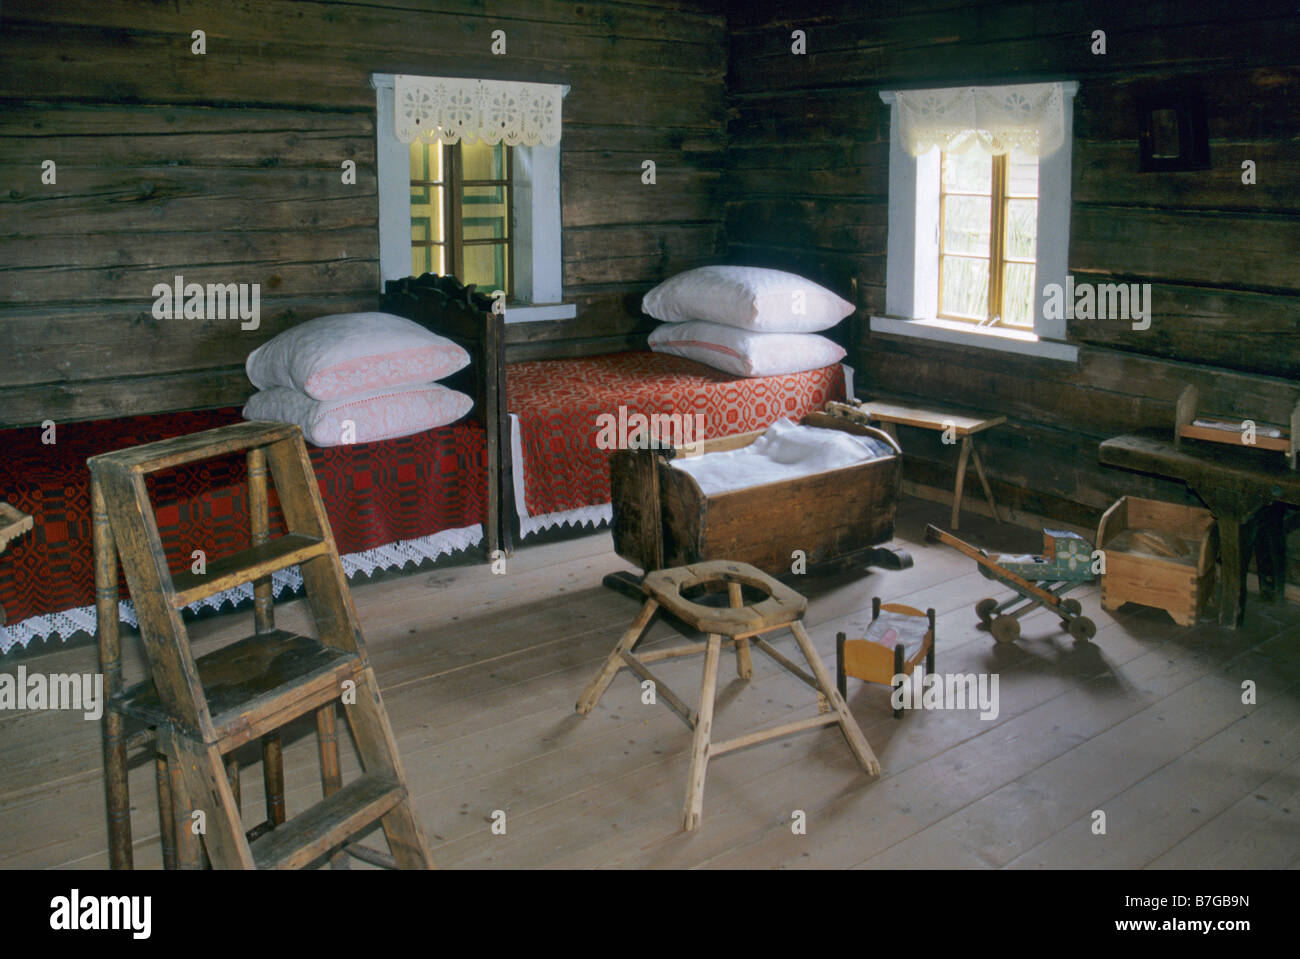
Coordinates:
426 166
970 172
483 161
1018 295
966 224
428 222
483 228
425 257
486 266
1022 174
1021 228
484 204
965 289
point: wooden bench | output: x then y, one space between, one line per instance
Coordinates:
963 426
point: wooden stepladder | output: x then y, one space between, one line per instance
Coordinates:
201 709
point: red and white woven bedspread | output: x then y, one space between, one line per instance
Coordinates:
560 403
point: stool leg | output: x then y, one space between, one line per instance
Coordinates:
857 742
962 459
188 852
929 654
116 793
273 777
984 481
232 775
166 818
744 663
700 745
591 695
331 776
203 775
898 671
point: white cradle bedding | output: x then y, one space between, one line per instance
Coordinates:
784 452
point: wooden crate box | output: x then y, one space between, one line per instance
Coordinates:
1160 555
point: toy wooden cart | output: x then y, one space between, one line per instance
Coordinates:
895 642
1037 581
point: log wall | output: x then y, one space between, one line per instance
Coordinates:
226 168
808 179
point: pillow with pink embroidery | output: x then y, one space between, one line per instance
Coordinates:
745 352
351 353
378 415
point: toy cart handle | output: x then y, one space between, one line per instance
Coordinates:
935 535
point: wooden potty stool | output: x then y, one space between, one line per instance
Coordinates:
893 646
742 624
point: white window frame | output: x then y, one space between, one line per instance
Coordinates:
538 266
912 270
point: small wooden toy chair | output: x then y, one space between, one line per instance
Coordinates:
897 639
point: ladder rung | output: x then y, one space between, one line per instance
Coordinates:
244 567
256 684
165 454
330 823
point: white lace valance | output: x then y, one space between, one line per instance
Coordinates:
450 109
1029 117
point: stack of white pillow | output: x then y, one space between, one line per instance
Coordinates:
356 378
746 320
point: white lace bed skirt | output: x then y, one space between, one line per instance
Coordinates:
593 516
391 556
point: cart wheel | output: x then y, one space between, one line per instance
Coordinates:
1082 628
1073 608
984 610
1006 629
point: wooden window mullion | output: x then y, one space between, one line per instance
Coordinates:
997 231
510 226
453 175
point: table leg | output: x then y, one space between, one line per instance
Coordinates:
984 480
1270 551
1233 553
962 460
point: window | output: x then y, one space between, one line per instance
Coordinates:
413 233
979 216
461 212
988 232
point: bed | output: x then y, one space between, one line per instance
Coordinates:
390 503
558 474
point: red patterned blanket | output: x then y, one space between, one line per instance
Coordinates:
375 493
564 404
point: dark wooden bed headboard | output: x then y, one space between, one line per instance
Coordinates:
451 309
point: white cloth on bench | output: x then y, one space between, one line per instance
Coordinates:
784 452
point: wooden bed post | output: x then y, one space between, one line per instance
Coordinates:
453 310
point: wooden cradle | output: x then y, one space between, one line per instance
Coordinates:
835 518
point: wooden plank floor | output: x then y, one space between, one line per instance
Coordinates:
480 673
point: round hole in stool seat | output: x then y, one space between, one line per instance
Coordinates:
782 605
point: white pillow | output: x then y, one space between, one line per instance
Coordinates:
744 352
379 415
748 297
350 353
